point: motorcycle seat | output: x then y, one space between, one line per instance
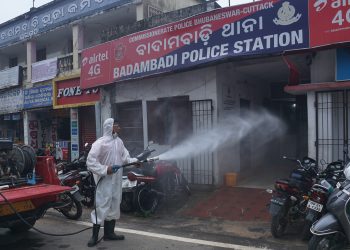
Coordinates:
65 175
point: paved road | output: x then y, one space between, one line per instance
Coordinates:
158 232
135 239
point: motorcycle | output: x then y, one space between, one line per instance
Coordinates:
85 180
72 207
155 181
76 164
332 231
137 191
319 193
87 188
289 200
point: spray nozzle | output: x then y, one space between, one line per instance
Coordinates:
156 158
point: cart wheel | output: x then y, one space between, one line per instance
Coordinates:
16 158
30 156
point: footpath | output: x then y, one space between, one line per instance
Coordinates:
242 213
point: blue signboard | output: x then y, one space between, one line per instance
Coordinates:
38 97
258 28
343 64
51 16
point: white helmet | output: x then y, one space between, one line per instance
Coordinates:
347 171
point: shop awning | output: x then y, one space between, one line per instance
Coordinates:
312 87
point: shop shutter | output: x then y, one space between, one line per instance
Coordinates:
87 125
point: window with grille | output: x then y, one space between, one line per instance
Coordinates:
41 54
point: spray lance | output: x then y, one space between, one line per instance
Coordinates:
141 158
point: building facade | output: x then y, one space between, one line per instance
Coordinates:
41 101
223 89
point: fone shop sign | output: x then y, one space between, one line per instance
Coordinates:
67 93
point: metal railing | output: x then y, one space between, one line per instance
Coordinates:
65 63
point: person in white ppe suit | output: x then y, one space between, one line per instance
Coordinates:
105 159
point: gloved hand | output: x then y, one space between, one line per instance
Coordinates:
115 168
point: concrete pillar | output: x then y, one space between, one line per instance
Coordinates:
106 105
78 44
31 58
145 123
98 120
311 124
140 12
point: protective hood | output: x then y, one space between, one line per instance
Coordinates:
108 127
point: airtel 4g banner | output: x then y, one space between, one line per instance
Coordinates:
262 27
329 22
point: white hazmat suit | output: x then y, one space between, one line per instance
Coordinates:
107 151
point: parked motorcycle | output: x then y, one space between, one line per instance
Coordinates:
139 194
137 191
76 164
319 193
87 188
289 200
332 231
72 207
84 180
155 181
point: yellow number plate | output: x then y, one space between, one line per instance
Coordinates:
20 206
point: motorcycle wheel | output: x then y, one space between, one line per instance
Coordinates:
126 205
147 201
167 186
73 208
329 242
278 225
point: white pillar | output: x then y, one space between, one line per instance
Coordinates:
31 58
311 124
78 44
106 107
140 12
26 127
98 120
145 124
